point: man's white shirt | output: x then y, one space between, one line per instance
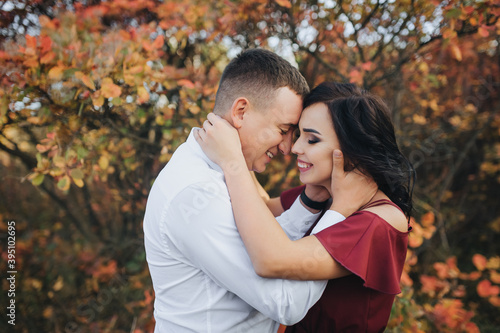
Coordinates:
202 275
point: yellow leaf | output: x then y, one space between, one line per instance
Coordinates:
56 73
98 99
48 312
284 3
103 162
59 284
109 89
418 119
194 109
85 79
78 182
493 263
59 161
143 95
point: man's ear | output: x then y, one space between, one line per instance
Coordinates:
240 106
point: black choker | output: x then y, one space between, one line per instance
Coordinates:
311 203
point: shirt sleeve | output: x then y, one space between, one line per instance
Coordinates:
297 220
201 225
328 219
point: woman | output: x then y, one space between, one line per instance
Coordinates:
362 256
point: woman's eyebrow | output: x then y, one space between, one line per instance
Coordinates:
310 130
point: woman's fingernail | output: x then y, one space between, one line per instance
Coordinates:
337 153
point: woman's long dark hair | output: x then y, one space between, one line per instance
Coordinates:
367 140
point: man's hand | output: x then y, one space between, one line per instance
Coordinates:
351 190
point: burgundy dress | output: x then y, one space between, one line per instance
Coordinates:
375 252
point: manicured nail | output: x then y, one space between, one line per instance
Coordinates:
337 153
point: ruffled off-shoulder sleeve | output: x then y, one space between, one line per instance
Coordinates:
289 196
369 247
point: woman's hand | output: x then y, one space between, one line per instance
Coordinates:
350 190
220 142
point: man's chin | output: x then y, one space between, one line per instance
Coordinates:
259 169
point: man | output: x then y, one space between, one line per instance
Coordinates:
203 278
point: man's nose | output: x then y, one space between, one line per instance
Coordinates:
286 144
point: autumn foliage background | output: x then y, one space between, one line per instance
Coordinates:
95 96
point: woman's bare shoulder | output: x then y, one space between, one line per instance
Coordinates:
391 215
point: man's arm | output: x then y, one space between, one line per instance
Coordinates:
206 234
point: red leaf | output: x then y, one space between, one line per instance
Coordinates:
46 44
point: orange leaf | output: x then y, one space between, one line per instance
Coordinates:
441 270
31 41
47 58
367 66
474 276
429 284
485 289
479 261
186 83
483 32
46 44
109 89
46 22
158 43
284 3
457 54
356 77
105 270
427 219
495 300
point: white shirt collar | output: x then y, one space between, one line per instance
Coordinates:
195 146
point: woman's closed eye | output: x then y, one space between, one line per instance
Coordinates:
313 140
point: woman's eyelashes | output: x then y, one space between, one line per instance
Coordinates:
312 140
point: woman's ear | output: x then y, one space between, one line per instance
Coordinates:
240 106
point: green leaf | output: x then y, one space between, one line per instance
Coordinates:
76 174
38 179
453 13
63 183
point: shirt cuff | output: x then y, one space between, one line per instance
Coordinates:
330 218
301 213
